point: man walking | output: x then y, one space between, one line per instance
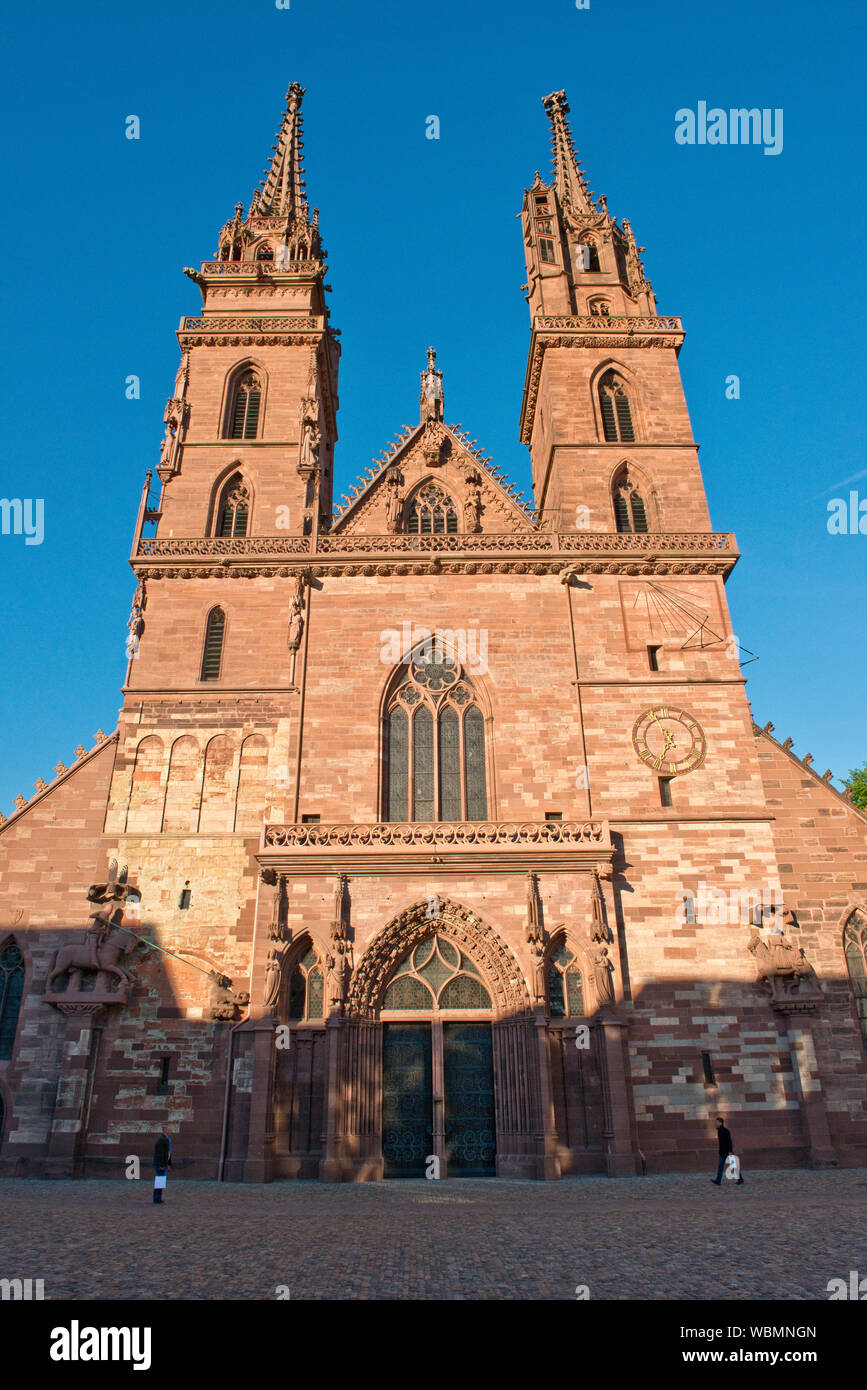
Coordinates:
162 1161
726 1147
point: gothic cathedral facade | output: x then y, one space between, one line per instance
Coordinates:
436 835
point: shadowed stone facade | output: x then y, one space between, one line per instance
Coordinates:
436 835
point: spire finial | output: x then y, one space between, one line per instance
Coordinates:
431 389
569 182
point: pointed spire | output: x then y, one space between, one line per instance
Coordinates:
572 190
282 192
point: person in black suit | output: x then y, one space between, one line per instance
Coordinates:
162 1161
726 1147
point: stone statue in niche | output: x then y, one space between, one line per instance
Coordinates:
273 976
393 508
473 506
602 972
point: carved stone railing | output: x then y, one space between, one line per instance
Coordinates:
616 322
652 542
259 323
437 835
461 541
514 542
208 546
255 268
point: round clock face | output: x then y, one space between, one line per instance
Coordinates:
669 741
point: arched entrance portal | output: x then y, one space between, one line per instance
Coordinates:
438 1102
439 1058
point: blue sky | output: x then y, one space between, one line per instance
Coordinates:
761 255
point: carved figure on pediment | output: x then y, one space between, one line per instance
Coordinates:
775 956
99 952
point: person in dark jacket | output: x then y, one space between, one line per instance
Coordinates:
726 1147
162 1161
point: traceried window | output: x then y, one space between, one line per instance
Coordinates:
213 649
234 511
436 976
244 421
855 948
307 989
11 990
435 743
432 512
630 512
616 412
565 985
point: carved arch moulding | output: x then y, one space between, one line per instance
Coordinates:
459 924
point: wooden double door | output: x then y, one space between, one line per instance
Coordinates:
438 1104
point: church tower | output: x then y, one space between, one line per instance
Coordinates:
603 412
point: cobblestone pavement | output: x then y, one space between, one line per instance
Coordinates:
781 1235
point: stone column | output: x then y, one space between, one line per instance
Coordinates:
549 1163
619 1156
330 1166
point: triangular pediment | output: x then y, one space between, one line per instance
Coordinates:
440 456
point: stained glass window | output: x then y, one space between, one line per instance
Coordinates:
855 948
306 989
565 984
436 976
11 990
434 739
432 512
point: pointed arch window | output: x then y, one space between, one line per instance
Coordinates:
432 513
630 513
11 992
244 420
307 989
433 977
212 653
435 745
565 985
234 509
855 949
588 256
616 411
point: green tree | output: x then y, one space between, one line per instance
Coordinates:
857 786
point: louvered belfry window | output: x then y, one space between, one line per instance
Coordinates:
432 513
213 652
630 512
616 413
434 743
234 508
245 411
